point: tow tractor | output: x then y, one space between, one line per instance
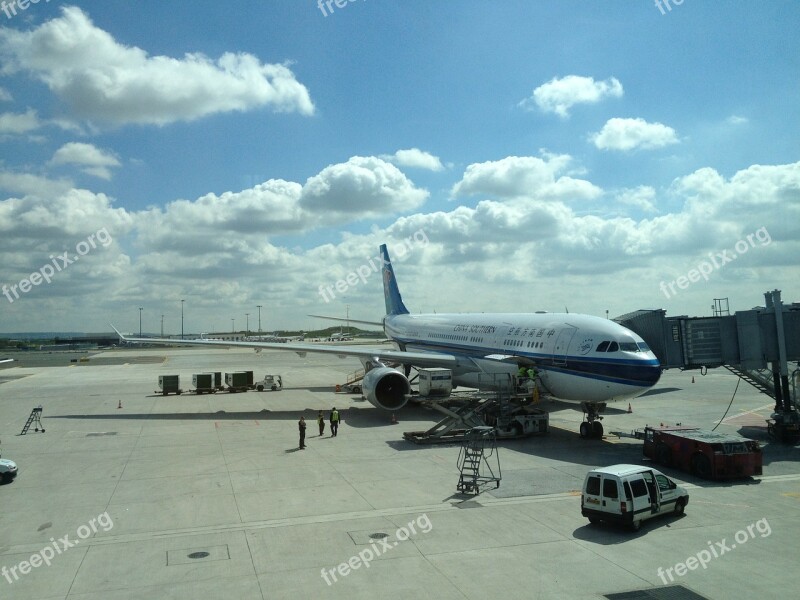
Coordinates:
270 382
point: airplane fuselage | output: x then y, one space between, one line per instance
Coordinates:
567 350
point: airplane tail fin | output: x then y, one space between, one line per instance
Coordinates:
391 293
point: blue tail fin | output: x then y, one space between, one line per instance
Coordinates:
391 293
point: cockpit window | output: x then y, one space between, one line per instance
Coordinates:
602 346
613 347
628 347
644 347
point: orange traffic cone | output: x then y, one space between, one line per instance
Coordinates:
119 405
629 408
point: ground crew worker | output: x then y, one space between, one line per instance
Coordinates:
321 423
334 422
301 424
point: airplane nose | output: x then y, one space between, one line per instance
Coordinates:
651 375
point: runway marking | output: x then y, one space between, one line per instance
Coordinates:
748 412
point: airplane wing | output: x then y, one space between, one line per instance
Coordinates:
6 360
417 359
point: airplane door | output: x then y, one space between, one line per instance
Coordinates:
562 345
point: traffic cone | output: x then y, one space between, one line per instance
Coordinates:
394 420
629 408
692 378
119 405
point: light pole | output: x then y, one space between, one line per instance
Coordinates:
247 326
162 326
259 318
182 301
233 330
140 321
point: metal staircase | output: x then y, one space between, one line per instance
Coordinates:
474 462
34 419
763 383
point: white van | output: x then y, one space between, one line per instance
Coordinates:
630 494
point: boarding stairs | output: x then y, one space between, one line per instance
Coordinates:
355 377
34 419
475 465
758 379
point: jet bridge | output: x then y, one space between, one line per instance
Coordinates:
756 344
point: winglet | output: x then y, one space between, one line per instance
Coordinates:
391 293
122 337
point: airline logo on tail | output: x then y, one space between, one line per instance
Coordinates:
391 293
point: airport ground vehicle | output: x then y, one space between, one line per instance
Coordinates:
707 454
204 383
630 494
169 384
270 382
8 470
239 381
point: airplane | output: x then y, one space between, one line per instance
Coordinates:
274 337
578 357
6 360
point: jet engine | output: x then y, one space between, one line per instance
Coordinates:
386 388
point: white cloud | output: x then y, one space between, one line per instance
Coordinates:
103 80
95 161
737 120
628 134
5 95
416 158
525 176
559 95
33 185
363 187
19 123
641 197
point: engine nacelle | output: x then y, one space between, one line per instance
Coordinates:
386 388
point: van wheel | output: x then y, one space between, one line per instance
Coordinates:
594 520
636 525
585 430
701 466
680 505
663 454
260 388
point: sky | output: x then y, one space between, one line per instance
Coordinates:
515 156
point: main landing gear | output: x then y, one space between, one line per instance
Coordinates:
592 427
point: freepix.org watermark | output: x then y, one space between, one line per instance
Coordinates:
375 264
58 263
715 550
367 555
662 4
705 268
58 546
322 4
10 6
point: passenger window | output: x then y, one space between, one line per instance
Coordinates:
638 488
610 488
593 486
613 347
628 494
663 482
602 347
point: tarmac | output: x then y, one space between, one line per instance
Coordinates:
131 494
